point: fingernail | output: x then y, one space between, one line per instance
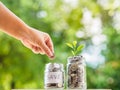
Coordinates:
52 56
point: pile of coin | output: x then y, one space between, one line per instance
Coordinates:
76 73
54 75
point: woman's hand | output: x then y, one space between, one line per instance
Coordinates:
39 42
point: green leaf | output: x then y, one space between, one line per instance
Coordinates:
80 48
74 48
69 45
75 43
73 53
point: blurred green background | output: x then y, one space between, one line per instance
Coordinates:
96 23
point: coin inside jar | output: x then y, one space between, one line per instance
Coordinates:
76 73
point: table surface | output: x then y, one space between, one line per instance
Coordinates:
60 89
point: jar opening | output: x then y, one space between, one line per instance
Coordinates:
54 67
73 59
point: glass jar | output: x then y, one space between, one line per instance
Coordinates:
54 76
76 73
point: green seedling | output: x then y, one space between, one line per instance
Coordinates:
75 48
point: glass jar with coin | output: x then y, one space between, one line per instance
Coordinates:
54 76
76 73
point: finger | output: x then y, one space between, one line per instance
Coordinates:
34 48
50 45
41 51
47 50
37 50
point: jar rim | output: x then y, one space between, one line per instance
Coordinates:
70 57
75 58
52 66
